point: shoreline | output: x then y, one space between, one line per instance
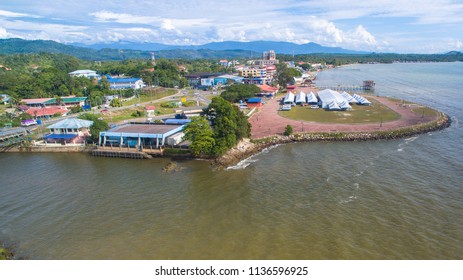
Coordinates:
249 147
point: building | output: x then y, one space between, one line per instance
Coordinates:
150 111
139 135
255 72
125 83
90 74
226 79
39 102
268 58
47 112
66 101
196 80
268 90
71 101
70 130
254 102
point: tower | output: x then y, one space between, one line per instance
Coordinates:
153 60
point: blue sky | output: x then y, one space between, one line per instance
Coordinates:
405 26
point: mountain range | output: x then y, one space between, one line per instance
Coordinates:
254 46
125 50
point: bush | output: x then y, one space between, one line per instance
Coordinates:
169 104
288 130
138 114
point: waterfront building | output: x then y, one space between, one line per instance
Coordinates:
139 135
72 130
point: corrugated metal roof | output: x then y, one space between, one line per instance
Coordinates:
71 123
254 100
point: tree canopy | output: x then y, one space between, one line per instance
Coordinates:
229 124
237 92
200 133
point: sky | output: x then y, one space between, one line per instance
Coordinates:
402 26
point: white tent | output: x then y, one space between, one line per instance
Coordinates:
332 106
325 97
289 98
333 100
312 99
300 98
349 98
341 100
361 100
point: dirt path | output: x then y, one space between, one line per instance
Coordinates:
268 122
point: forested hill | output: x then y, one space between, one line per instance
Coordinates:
19 46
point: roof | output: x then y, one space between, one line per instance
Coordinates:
82 72
73 99
149 108
60 136
267 88
71 123
39 112
123 80
255 100
177 121
36 100
144 128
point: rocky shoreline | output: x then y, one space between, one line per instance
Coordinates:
249 147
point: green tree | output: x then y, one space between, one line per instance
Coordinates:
97 127
237 92
285 75
200 133
288 130
115 103
229 124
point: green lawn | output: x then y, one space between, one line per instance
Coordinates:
424 111
374 113
150 95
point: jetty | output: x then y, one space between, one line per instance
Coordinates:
126 152
366 86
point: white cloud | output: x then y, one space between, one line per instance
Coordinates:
9 14
349 24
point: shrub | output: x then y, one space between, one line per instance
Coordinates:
288 130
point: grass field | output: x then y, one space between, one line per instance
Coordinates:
150 95
374 113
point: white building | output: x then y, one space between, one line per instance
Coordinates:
85 73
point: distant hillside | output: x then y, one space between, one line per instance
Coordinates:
19 46
255 46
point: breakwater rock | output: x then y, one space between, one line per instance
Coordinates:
249 147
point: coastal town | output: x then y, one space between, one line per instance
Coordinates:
299 105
